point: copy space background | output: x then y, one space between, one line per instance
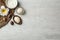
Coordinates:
41 22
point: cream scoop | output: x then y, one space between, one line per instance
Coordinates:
20 11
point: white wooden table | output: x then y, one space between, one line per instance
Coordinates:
41 22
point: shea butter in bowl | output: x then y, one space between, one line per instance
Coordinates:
17 19
11 3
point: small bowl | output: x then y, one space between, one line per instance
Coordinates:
11 3
19 18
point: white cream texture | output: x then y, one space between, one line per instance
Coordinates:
11 3
17 19
20 10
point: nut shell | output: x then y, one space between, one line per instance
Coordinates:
17 19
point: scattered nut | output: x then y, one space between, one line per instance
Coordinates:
12 23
